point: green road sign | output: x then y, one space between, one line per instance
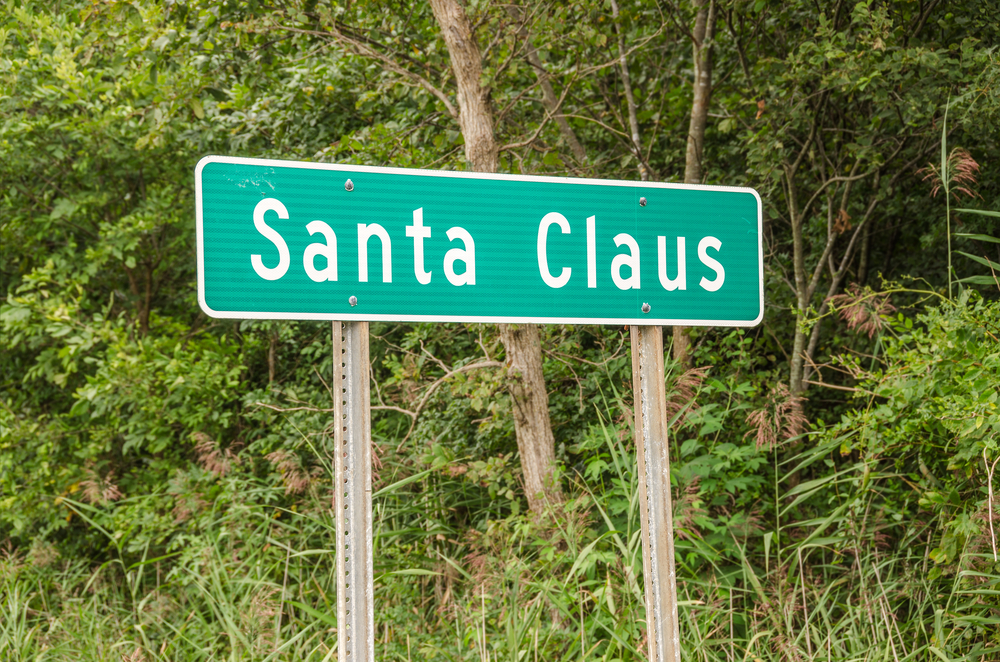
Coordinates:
311 241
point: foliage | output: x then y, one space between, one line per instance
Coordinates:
165 478
929 412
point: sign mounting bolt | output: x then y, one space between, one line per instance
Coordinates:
353 300
349 186
646 308
642 202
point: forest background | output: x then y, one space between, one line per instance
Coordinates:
166 477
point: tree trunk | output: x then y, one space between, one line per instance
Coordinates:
795 384
704 35
475 118
535 441
866 248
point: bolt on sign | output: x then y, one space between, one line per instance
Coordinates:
285 240
351 244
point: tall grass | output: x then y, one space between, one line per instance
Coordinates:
256 582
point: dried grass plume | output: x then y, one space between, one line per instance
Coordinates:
212 457
779 420
863 309
98 490
962 170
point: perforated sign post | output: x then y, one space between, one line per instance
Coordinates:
353 244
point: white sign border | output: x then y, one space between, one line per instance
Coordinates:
362 317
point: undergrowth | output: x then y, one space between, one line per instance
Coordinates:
257 582
867 538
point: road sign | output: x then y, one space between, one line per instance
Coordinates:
286 240
290 240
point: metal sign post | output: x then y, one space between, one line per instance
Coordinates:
353 491
651 429
352 444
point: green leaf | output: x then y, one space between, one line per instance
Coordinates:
420 572
981 260
217 94
389 489
978 237
939 654
981 212
978 280
63 207
944 149
326 618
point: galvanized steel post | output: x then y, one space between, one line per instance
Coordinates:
353 491
651 428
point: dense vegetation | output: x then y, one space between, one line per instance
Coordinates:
165 478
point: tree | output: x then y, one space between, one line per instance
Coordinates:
844 118
473 113
535 440
702 43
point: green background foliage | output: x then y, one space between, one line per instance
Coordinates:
165 478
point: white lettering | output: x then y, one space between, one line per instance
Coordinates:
327 250
365 232
543 261
284 259
468 256
419 233
679 283
631 261
711 263
592 251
